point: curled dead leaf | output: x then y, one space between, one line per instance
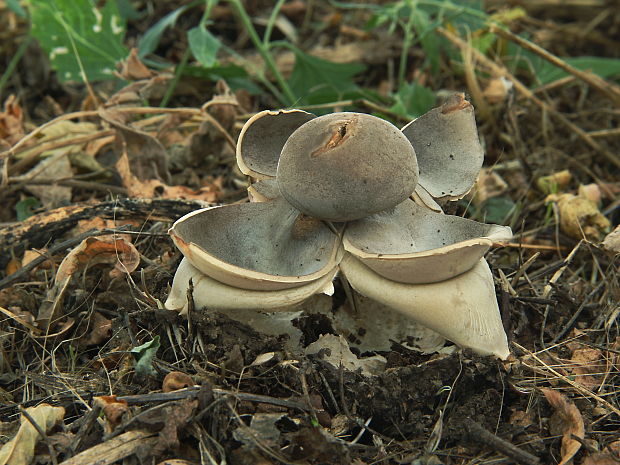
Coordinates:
132 69
99 330
609 456
589 367
612 241
11 122
488 185
176 380
20 449
580 217
91 251
571 423
113 409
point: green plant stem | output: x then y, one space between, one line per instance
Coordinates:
209 4
4 79
272 21
263 49
177 76
407 41
256 72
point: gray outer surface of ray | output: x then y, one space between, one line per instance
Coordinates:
413 244
263 190
267 237
448 149
262 138
345 166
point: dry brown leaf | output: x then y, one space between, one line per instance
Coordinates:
11 122
13 266
92 251
147 157
99 330
592 192
113 409
612 241
588 366
497 89
132 69
488 185
171 419
571 421
51 168
151 188
176 380
607 457
20 449
523 418
580 217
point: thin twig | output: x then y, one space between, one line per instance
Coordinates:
607 88
577 386
485 437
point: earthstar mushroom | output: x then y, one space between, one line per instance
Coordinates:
350 192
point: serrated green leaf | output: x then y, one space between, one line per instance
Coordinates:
150 40
24 208
312 75
203 45
144 355
75 33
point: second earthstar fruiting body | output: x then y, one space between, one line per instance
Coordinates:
351 193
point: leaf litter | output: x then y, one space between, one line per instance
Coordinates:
84 321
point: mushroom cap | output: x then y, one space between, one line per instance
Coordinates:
210 293
462 309
260 246
345 166
262 138
447 147
412 244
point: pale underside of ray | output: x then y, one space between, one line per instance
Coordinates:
463 309
209 293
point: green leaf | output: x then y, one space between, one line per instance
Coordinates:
429 40
413 100
78 34
16 8
203 45
545 72
312 75
497 209
24 208
144 355
603 66
150 40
